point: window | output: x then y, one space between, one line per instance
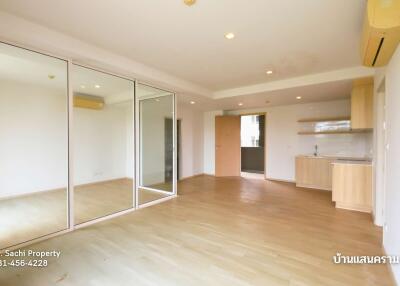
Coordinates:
250 131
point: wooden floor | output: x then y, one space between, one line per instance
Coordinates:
252 175
219 231
31 216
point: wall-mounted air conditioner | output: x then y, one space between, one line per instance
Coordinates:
381 33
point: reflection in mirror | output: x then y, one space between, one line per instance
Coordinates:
103 144
33 145
156 133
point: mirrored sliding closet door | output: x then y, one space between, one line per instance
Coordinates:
156 143
103 144
33 145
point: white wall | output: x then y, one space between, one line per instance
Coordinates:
209 141
391 234
283 143
379 147
101 144
33 145
191 159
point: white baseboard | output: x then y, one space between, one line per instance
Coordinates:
209 174
13 196
192 176
280 180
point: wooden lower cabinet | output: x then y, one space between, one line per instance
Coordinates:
352 186
315 173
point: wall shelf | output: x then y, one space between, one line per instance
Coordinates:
335 132
324 119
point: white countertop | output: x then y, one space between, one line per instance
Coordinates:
342 159
339 158
353 162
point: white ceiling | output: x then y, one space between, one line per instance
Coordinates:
292 38
24 66
29 67
91 82
319 92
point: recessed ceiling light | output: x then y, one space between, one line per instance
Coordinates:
189 2
192 102
97 86
83 87
51 76
298 97
269 72
240 103
229 36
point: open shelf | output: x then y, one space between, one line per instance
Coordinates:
335 132
324 119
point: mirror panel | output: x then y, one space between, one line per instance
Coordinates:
156 136
33 145
103 144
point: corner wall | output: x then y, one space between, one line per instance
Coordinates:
191 156
391 234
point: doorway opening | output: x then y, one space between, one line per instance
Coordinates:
252 145
168 129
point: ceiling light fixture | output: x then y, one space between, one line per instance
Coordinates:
192 102
97 86
83 87
298 97
240 103
229 36
269 72
189 2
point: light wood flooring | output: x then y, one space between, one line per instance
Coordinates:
31 216
219 231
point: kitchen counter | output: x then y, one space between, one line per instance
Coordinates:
367 162
338 158
352 185
349 178
316 171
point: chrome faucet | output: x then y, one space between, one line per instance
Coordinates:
316 150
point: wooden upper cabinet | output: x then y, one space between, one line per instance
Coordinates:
362 104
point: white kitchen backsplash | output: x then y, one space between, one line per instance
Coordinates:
346 145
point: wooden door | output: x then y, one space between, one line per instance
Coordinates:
227 146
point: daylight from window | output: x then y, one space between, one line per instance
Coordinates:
250 131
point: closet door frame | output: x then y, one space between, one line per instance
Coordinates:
71 160
68 120
136 163
138 148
